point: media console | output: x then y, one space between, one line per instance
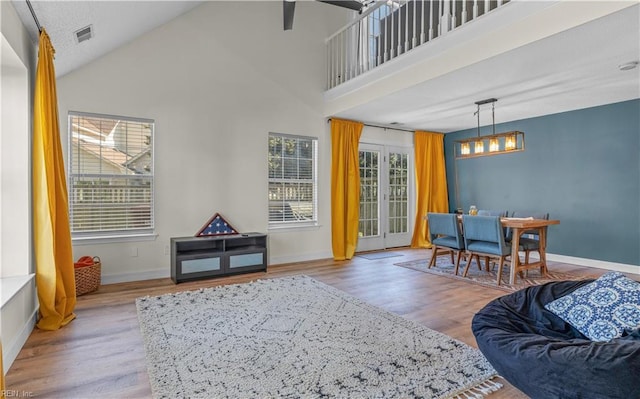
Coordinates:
194 258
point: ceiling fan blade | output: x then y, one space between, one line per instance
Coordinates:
350 4
288 8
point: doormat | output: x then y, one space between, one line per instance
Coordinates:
378 255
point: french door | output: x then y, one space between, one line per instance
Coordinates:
386 197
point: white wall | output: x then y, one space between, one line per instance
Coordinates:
216 81
14 165
17 288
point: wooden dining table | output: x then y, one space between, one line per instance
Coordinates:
519 226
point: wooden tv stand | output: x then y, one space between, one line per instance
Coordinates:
194 258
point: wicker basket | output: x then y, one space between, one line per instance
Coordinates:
88 277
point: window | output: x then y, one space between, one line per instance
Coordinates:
110 175
293 182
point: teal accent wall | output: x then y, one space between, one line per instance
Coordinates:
583 167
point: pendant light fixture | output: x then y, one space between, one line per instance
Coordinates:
493 144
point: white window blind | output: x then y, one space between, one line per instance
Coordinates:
293 183
110 175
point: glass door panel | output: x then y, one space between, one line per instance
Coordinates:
386 201
369 236
398 198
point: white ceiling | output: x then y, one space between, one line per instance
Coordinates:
114 23
570 70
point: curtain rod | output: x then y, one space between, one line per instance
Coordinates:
34 16
382 127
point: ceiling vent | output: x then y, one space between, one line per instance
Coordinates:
84 34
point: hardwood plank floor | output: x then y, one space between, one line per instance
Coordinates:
101 353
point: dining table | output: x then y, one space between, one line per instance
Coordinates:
520 226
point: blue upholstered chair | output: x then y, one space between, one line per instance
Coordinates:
490 212
444 231
484 236
531 243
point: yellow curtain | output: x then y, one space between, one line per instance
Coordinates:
345 187
431 182
52 237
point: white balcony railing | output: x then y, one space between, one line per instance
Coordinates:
389 29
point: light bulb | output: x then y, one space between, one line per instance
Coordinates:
494 145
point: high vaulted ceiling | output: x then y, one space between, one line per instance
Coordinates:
114 23
571 69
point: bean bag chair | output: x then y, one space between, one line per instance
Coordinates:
545 357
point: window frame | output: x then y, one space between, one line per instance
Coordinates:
121 235
313 222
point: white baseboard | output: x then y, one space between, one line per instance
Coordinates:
10 352
300 258
164 273
599 264
136 276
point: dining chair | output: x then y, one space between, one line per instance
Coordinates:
531 243
445 234
484 236
491 212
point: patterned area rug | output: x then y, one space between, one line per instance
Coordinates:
444 267
297 337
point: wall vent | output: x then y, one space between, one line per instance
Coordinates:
84 34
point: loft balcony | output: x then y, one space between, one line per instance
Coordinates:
387 30
424 63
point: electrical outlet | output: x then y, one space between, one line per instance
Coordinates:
166 250
133 251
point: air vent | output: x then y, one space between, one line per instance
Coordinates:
84 34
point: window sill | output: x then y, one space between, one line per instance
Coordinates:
10 286
113 239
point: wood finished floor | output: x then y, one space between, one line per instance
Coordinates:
101 353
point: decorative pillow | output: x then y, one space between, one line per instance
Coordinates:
603 309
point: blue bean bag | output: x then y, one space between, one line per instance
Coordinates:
545 357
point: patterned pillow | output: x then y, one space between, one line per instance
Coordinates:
603 309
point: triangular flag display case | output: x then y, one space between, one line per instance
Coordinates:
216 226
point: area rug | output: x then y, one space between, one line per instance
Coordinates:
444 267
297 337
378 255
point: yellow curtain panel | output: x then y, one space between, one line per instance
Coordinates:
345 187
431 183
52 237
